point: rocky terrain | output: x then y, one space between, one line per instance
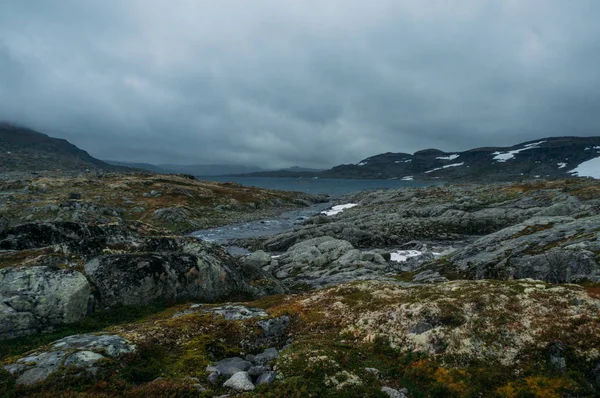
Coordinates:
448 291
548 158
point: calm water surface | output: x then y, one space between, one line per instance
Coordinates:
329 186
287 220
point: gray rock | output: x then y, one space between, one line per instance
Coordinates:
266 378
240 382
268 355
274 327
237 312
258 259
230 366
213 377
175 268
392 393
33 299
172 215
552 249
79 351
83 359
256 371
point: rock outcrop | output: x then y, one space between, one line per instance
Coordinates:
82 352
553 249
32 299
172 269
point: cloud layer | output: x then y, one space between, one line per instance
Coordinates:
277 83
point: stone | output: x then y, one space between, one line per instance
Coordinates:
266 378
240 382
83 359
257 259
229 366
83 351
274 327
32 299
213 377
256 371
172 269
392 393
268 355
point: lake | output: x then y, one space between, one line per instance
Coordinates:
329 186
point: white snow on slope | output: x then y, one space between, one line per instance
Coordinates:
338 209
589 168
407 178
504 156
561 165
403 161
403 255
445 167
451 157
362 163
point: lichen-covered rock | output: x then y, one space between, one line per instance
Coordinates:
78 351
240 382
258 259
553 249
172 215
32 299
71 237
175 268
325 261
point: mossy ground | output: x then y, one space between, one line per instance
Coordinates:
488 337
136 196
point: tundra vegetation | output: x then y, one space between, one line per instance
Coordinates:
101 296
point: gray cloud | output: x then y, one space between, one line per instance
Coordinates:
289 82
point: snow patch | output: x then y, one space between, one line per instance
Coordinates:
403 255
589 168
338 209
445 167
561 165
362 163
407 178
451 157
504 156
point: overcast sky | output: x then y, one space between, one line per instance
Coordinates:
277 83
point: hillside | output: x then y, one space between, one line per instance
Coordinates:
557 157
23 149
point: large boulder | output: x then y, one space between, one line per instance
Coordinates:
177 268
325 261
33 299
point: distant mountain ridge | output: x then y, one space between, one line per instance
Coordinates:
555 157
24 149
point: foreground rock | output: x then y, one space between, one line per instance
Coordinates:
83 352
60 264
32 299
179 268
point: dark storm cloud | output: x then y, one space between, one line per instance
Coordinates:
285 82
